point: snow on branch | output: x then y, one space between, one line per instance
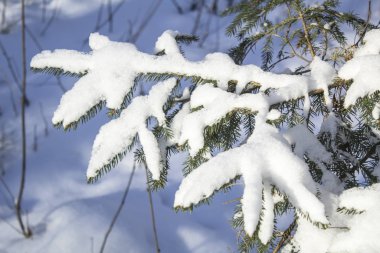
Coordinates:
252 162
364 69
108 74
354 224
114 137
111 68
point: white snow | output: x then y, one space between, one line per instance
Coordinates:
111 73
250 161
267 220
273 114
114 137
323 75
216 104
364 69
177 122
306 143
347 233
371 44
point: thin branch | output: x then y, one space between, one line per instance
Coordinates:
46 129
287 233
99 16
3 12
113 12
10 66
366 25
277 62
306 31
177 6
25 229
11 225
145 22
34 39
110 16
198 18
121 205
40 48
152 210
287 41
7 188
10 88
50 21
43 11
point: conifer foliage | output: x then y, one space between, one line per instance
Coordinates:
304 143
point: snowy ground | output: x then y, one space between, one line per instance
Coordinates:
65 213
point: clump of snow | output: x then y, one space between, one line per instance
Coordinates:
306 143
216 104
323 74
114 137
267 221
376 111
330 125
273 114
364 69
97 41
251 161
166 42
371 44
347 233
177 122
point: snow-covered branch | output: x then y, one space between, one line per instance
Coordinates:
108 73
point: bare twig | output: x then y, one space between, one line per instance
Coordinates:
10 66
200 5
46 129
40 48
3 12
366 25
34 39
145 22
25 229
10 88
270 67
110 16
35 138
114 11
125 194
7 189
177 6
152 210
60 84
43 11
206 31
50 21
11 225
99 17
